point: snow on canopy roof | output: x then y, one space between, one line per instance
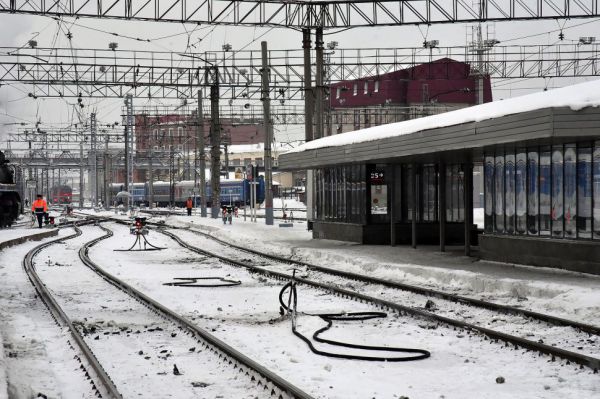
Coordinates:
576 97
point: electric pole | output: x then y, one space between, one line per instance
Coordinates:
268 135
215 141
200 147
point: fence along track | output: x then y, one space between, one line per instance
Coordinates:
583 360
263 376
101 381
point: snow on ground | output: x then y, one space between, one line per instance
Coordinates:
247 317
37 356
17 232
562 293
137 348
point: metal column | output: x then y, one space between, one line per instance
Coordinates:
269 136
308 121
200 146
413 175
81 175
106 176
308 90
320 89
442 204
128 147
468 203
391 205
215 142
93 159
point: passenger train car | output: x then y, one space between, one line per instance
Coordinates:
234 191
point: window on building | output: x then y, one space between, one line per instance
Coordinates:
557 192
521 191
533 219
545 191
509 186
584 192
366 88
488 182
570 190
376 86
596 190
338 92
355 89
155 133
499 194
429 193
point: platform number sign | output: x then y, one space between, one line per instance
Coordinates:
377 177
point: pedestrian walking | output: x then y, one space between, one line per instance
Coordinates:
40 209
189 205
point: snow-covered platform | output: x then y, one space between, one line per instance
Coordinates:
14 236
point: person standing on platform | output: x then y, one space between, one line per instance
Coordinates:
39 208
189 205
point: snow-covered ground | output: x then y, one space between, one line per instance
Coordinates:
11 234
247 316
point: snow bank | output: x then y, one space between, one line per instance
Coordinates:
576 97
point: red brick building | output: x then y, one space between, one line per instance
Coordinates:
426 89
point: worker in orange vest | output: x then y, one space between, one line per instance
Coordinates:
189 205
39 208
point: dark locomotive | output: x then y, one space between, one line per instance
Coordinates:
10 200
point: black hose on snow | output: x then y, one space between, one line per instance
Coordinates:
330 318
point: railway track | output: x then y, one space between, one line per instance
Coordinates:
101 382
240 215
328 279
267 383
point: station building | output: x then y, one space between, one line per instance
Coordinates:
411 182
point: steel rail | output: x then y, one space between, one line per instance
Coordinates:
506 309
101 381
582 360
284 386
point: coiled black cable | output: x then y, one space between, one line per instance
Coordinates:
330 318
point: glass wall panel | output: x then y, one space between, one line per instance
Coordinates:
545 191
584 192
407 192
533 193
596 189
488 183
460 178
429 191
558 194
520 191
499 191
509 185
570 190
449 192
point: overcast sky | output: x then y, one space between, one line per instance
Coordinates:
16 30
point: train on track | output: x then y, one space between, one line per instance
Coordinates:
61 195
10 200
233 192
